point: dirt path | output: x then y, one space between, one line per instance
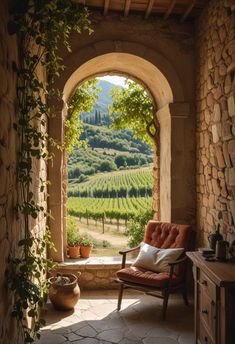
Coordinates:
113 239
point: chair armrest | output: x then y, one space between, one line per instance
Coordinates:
129 250
173 265
124 253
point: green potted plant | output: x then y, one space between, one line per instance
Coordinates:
86 245
73 238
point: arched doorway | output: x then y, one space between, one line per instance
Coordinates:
175 182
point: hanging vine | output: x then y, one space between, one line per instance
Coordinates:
41 26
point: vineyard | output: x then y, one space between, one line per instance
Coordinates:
108 208
123 184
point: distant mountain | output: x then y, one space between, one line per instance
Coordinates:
101 106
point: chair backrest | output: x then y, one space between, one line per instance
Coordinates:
169 235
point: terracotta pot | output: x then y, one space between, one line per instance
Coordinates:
74 252
85 251
64 297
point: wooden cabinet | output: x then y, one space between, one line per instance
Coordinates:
214 300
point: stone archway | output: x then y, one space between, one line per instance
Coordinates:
176 198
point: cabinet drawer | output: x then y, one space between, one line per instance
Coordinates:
207 313
207 285
204 337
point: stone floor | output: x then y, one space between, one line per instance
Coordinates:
95 321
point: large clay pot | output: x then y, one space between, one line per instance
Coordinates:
74 252
64 297
85 251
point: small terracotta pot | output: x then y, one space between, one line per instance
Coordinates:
85 251
74 252
64 297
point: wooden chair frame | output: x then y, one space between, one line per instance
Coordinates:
162 293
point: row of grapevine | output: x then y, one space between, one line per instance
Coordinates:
110 208
138 184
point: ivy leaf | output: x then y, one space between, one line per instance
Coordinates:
31 313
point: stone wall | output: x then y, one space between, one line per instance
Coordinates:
10 224
215 86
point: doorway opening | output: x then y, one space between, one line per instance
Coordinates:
110 177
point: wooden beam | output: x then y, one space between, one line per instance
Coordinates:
149 8
170 9
127 7
106 7
188 10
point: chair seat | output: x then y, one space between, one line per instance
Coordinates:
146 277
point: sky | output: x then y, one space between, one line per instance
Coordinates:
117 80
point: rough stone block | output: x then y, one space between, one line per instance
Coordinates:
226 130
217 113
215 133
211 201
222 70
207 116
231 151
87 276
210 99
220 157
231 106
227 84
230 173
232 208
226 154
215 187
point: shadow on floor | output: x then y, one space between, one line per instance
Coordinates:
95 321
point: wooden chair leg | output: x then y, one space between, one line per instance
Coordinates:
165 303
185 295
121 287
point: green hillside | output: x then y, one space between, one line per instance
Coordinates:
129 183
107 149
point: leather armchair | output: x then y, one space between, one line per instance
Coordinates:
161 235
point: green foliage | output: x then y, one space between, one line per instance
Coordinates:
133 108
107 166
73 236
136 227
105 143
41 26
82 100
87 240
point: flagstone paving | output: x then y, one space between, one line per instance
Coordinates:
95 320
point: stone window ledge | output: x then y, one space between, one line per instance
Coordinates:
95 262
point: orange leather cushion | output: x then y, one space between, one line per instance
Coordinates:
145 277
169 235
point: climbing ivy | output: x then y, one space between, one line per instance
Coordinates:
82 100
41 27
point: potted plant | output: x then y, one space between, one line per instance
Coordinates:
86 245
64 291
73 239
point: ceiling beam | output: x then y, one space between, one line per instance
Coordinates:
170 9
106 7
188 10
149 8
127 7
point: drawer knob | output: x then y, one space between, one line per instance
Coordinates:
204 283
204 311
